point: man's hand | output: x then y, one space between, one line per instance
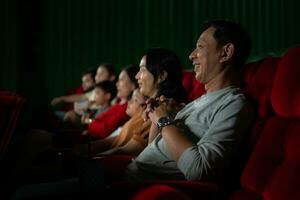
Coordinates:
56 101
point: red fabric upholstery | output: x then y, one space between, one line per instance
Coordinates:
10 106
192 86
159 192
259 78
273 170
192 189
285 95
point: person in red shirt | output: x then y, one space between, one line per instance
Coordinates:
115 116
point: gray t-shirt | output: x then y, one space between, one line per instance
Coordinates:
216 123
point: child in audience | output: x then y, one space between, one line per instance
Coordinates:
105 92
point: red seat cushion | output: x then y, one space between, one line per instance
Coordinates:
273 170
159 192
274 167
285 93
259 77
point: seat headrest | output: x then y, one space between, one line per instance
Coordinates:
285 97
259 77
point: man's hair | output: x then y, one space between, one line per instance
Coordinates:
108 87
232 32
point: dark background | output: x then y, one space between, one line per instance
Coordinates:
46 44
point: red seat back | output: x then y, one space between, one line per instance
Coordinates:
259 78
192 86
273 170
10 106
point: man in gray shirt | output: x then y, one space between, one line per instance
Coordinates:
200 143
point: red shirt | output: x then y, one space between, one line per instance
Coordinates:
107 122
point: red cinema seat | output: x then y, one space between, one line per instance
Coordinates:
10 107
273 170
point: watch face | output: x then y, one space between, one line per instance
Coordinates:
163 121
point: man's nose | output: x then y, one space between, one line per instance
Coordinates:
192 56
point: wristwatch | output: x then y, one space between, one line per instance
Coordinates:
164 121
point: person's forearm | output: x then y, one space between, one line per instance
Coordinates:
175 141
74 97
153 132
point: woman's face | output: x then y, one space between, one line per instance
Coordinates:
145 79
102 74
135 103
124 85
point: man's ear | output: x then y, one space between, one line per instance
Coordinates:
227 52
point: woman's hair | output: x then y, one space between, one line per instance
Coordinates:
110 68
132 70
159 60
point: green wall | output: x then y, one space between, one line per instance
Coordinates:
57 39
8 45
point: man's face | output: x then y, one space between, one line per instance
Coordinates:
100 96
206 57
87 82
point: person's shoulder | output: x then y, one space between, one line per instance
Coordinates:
231 96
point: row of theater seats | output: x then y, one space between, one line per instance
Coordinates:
272 170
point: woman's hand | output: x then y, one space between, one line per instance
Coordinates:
162 107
